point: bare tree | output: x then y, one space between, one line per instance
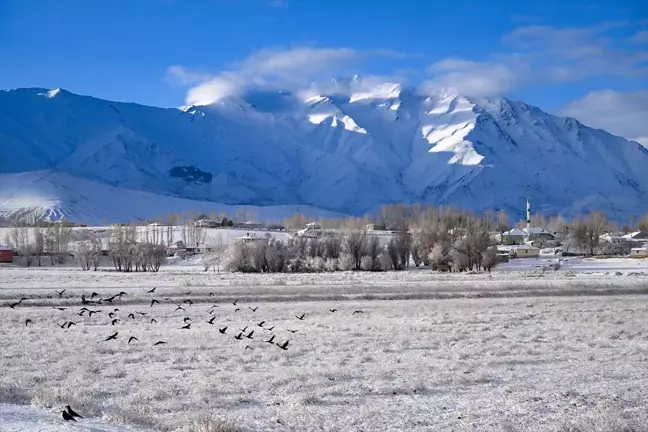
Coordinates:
39 244
355 244
489 258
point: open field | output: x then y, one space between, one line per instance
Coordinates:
515 351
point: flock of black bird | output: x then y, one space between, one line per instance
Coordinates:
91 307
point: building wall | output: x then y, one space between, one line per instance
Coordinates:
527 253
6 256
639 253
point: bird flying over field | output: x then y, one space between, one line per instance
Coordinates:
211 321
239 336
60 293
284 346
248 347
301 318
153 302
151 290
269 328
132 338
153 320
62 325
70 324
186 319
253 309
112 337
178 308
186 327
115 321
249 336
261 323
332 310
293 331
234 302
27 322
271 340
159 343
59 308
131 316
188 301
223 330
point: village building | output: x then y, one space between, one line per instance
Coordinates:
6 254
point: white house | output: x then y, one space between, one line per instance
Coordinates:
639 252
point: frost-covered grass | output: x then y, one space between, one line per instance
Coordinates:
494 361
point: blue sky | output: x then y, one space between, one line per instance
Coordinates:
563 56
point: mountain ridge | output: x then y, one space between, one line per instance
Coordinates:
346 153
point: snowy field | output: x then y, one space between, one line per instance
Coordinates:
513 351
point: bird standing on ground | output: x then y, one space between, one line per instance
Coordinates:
67 417
72 412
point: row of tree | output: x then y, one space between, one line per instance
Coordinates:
32 244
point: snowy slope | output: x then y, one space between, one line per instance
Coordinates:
348 153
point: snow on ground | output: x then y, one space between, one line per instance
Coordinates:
21 418
519 351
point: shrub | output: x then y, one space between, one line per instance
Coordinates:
366 263
331 264
346 262
384 262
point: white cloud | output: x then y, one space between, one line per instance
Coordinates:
286 69
620 113
472 78
639 37
543 54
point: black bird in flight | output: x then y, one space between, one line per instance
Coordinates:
112 337
244 329
211 321
59 308
261 323
60 293
121 294
211 294
159 343
211 311
271 340
301 318
284 346
234 302
249 336
80 313
84 309
188 301
93 295
239 336
253 309
293 331
187 293
186 327
110 299
142 313
93 312
223 330
111 315
62 325
151 290
131 316
332 310
72 412
357 311
269 328
178 308
248 347
153 302
115 321
153 320
237 309
13 305
70 324
27 322
132 338
186 319
67 417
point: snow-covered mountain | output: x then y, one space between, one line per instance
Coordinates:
344 153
